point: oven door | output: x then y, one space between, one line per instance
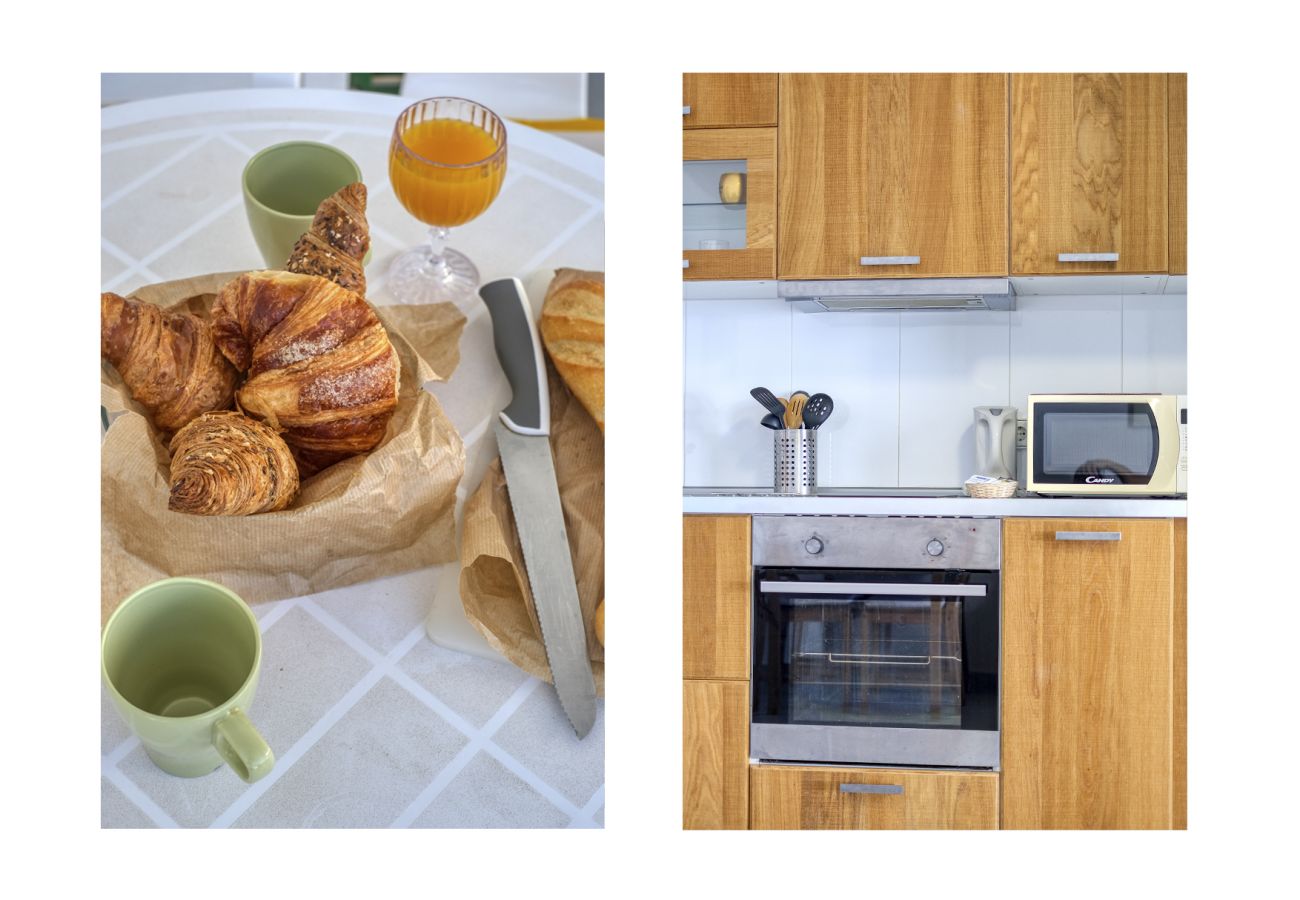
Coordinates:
871 666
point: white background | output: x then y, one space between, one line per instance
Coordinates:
1241 332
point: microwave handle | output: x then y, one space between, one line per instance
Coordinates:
1088 535
873 587
871 789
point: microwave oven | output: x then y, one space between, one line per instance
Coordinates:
1107 444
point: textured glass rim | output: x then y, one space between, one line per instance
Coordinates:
397 135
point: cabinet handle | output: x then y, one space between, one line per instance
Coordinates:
1087 535
871 789
686 110
686 264
890 261
1087 257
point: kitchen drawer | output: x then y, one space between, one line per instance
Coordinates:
817 797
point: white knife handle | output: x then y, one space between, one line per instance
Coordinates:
519 350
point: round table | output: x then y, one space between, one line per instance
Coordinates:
375 719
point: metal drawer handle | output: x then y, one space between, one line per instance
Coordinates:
890 261
873 587
686 264
871 789
1088 535
686 110
1087 257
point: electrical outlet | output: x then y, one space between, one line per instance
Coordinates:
1022 433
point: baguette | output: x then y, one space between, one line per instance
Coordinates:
573 331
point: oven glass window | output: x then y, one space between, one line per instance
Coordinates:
872 658
1082 441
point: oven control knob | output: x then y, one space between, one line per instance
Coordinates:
814 546
935 547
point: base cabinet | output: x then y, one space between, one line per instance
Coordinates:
715 754
817 797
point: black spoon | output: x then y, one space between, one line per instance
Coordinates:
817 410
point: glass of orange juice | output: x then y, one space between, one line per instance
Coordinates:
446 164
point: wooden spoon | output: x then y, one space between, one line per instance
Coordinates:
794 412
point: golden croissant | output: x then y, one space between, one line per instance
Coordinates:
338 240
321 370
226 464
168 361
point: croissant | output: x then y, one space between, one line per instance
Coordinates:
573 330
226 464
321 370
338 240
168 361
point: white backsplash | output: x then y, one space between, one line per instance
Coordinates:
905 384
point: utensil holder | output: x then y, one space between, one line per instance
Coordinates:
794 460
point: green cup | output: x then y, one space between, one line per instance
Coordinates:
283 185
180 658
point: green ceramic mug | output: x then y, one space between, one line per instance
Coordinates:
283 185
180 658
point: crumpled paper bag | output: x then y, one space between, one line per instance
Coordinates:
386 512
494 586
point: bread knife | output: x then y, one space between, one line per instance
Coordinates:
522 431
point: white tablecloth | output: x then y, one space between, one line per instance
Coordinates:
373 723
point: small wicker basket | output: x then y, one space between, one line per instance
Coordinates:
992 489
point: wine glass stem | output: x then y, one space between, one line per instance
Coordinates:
437 259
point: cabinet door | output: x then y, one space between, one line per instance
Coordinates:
820 797
1090 674
715 596
715 754
720 100
1178 173
883 167
745 228
1089 174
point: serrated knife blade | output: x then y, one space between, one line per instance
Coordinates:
522 431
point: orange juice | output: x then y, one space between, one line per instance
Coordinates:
454 190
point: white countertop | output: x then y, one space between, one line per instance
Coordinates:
892 502
373 724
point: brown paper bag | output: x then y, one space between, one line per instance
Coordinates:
386 512
493 580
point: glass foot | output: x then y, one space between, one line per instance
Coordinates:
417 277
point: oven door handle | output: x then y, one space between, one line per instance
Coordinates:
872 587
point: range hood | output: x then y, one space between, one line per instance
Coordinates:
899 294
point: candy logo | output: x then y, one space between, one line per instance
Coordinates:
1093 479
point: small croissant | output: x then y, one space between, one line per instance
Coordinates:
168 361
226 464
338 240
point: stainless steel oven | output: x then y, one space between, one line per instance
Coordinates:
876 640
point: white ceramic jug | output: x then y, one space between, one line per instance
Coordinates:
995 441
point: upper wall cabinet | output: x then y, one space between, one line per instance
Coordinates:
728 203
1178 173
892 176
722 100
1089 174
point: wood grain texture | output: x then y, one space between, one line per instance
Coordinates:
726 99
1088 684
715 754
1179 774
892 165
1178 173
798 797
716 599
757 146
1089 172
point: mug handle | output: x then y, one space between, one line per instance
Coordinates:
242 747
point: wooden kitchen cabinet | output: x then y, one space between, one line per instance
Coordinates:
715 754
1094 674
1089 173
749 226
716 598
817 797
881 166
727 99
1178 173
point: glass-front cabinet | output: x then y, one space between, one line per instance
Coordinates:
729 203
